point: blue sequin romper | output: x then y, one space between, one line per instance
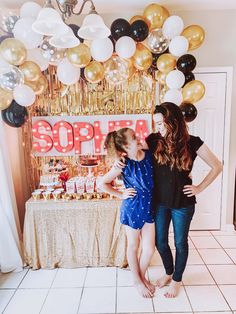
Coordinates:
138 175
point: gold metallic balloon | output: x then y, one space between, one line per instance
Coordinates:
161 77
166 62
195 35
139 17
142 59
13 51
40 86
79 56
156 14
30 70
94 72
6 98
193 91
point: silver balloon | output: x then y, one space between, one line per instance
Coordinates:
10 77
157 42
116 70
9 22
52 54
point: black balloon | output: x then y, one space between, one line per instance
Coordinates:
186 63
15 115
139 30
155 57
113 42
75 29
189 76
119 28
189 111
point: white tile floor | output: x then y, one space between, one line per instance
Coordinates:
209 285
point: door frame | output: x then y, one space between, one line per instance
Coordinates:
229 162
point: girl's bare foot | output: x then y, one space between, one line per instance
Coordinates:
149 285
173 289
143 290
163 281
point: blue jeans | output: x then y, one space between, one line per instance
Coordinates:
181 218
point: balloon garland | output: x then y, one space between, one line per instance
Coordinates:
155 42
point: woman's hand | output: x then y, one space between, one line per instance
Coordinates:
119 164
191 190
128 193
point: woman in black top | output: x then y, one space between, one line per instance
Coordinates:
174 152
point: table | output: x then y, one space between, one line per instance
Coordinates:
74 233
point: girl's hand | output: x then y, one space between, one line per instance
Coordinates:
128 193
191 190
119 164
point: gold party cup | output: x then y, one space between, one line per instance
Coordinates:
36 196
46 196
56 195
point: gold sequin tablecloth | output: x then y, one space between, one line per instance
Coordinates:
74 233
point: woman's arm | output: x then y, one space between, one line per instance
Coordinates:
216 167
105 184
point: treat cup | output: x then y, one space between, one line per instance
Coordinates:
88 196
47 195
99 195
78 196
36 195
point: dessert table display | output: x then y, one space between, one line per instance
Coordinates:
74 233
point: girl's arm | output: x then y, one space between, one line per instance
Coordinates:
105 184
216 167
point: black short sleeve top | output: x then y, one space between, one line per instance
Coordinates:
169 183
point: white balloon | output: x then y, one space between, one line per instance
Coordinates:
125 47
178 46
30 9
175 79
24 95
101 49
173 95
173 26
23 32
36 56
67 73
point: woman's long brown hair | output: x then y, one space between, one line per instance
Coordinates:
172 149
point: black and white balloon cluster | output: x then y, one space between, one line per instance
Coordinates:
152 42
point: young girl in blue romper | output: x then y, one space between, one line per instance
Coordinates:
136 209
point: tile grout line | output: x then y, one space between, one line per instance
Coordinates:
15 290
187 297
224 249
216 284
49 289
82 291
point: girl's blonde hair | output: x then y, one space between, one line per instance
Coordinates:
114 143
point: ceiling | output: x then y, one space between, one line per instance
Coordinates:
112 6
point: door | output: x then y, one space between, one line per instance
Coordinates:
209 125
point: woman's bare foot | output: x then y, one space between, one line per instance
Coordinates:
173 289
143 290
163 281
149 285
